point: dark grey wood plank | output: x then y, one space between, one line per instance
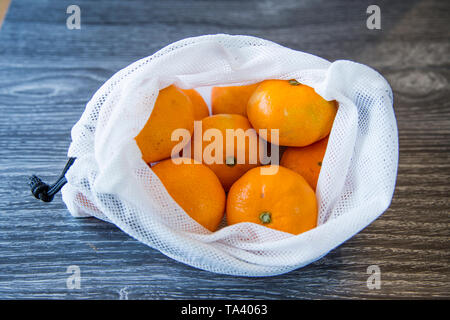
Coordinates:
48 73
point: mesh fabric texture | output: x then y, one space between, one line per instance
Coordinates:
110 181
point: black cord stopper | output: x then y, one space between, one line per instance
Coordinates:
45 192
40 189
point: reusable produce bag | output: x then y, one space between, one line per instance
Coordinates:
110 181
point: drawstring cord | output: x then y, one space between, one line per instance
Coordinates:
46 192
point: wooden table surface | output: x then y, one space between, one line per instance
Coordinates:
48 73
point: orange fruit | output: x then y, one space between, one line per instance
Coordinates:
306 161
231 99
283 201
230 167
195 188
173 110
297 111
200 107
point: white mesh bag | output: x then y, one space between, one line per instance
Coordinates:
110 181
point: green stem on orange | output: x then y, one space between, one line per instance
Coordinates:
265 217
230 161
294 82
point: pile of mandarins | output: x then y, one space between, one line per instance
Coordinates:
284 200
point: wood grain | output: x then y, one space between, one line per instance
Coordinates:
48 73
